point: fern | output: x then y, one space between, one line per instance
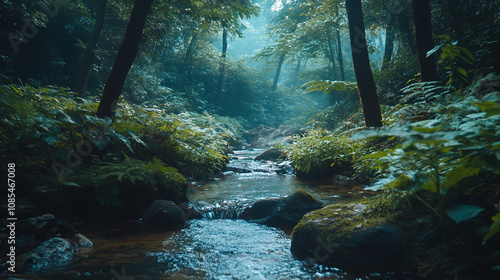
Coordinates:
328 86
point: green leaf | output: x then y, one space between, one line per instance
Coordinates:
435 49
71 184
467 53
427 126
463 212
430 186
494 228
462 71
457 174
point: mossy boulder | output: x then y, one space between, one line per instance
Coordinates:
283 212
350 235
273 154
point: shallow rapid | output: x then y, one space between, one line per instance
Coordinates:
217 246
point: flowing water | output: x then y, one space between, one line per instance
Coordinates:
213 247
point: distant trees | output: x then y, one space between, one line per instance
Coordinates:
364 77
124 59
305 30
88 58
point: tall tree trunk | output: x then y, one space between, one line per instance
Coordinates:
278 72
332 55
88 58
340 58
364 77
297 71
222 65
187 60
407 34
389 46
125 58
423 39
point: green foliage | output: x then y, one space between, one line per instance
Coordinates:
494 228
436 160
453 57
322 149
41 126
399 72
112 178
36 122
328 86
461 212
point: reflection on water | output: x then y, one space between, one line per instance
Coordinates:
234 249
263 182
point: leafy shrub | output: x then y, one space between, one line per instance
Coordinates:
42 127
436 160
113 178
322 150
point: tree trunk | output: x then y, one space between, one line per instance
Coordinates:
278 72
423 39
297 71
364 77
124 59
340 59
407 34
187 60
88 58
222 65
389 46
332 56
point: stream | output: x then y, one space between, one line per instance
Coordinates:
217 246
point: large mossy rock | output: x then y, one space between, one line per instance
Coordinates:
164 214
50 254
349 235
283 212
273 154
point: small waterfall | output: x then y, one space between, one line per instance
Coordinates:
222 210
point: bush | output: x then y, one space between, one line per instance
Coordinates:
321 153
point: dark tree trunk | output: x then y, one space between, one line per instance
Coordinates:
223 65
423 39
88 58
389 46
187 60
124 59
407 34
340 58
332 56
278 72
364 77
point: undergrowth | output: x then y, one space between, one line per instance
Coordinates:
51 130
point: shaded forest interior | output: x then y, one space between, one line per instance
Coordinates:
113 104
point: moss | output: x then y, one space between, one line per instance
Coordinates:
342 219
361 234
